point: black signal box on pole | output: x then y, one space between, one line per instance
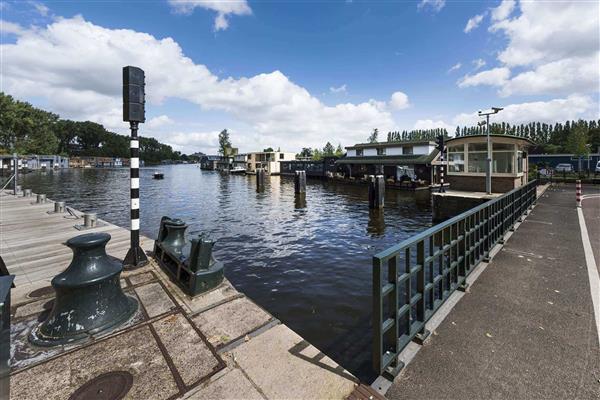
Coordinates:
440 143
133 94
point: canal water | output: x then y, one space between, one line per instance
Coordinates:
308 264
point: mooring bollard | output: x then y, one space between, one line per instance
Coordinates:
578 192
89 298
27 193
89 220
300 182
376 191
59 207
41 198
260 178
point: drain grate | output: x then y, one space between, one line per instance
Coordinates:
112 385
42 292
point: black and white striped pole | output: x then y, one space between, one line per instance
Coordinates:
133 112
440 145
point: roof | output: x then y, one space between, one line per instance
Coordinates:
408 159
391 144
492 136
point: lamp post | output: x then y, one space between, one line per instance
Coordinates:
488 164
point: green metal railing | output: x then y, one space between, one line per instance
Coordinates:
413 279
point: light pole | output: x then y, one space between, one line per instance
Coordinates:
488 164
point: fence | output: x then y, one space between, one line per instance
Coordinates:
413 279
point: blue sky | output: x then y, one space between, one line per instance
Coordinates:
291 74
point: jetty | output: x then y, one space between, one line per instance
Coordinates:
218 345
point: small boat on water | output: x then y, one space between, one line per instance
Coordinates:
237 170
158 175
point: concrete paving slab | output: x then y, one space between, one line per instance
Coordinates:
232 385
135 352
231 320
144 277
285 366
190 354
154 299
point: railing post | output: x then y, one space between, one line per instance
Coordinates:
421 303
377 317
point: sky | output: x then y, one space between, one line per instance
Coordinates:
294 74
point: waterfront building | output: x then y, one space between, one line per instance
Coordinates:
97 162
240 161
403 161
467 162
314 169
36 161
209 162
269 160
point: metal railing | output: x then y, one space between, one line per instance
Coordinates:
414 278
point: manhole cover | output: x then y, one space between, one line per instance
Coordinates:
41 292
109 386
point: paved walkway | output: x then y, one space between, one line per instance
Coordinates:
526 329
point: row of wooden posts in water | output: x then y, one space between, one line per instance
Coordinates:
376 186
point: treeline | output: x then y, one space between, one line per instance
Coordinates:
30 130
419 134
317 154
548 138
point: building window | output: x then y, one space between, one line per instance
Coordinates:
381 151
477 157
502 158
456 157
359 152
407 150
519 162
281 156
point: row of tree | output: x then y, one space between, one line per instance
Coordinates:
29 130
317 154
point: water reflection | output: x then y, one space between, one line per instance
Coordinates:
306 260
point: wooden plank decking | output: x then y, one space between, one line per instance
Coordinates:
32 241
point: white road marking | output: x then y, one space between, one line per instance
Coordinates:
592 270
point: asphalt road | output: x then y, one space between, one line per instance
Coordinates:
526 330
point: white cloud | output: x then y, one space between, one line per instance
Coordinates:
557 110
473 23
435 5
7 27
41 8
479 63
455 67
160 121
431 124
504 10
552 48
493 77
341 89
399 101
223 9
75 67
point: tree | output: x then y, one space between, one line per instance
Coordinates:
577 142
268 150
328 150
317 155
306 152
224 143
373 136
339 152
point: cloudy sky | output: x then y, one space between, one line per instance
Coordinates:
295 74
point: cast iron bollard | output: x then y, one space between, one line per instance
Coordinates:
195 274
59 207
90 220
27 193
300 182
376 191
89 298
41 198
260 179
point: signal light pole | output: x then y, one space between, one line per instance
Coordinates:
133 112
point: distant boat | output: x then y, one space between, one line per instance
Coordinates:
158 175
237 170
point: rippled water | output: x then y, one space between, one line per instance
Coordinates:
309 265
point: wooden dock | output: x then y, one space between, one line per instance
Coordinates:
217 345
